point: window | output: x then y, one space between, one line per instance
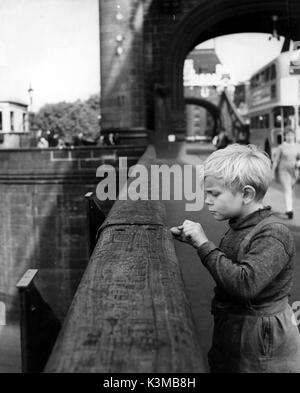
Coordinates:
289 116
254 122
267 74
264 76
1 123
288 113
266 121
255 81
24 122
273 91
12 121
261 121
277 119
273 72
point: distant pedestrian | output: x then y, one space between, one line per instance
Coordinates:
61 143
116 138
77 139
106 140
222 140
285 168
43 143
111 138
242 138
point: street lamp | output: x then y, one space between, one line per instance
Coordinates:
274 34
30 93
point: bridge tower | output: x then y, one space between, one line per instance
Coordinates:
122 65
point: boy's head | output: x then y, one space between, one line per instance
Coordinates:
234 177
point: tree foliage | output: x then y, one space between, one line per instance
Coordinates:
69 119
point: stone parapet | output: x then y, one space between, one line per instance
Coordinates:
43 217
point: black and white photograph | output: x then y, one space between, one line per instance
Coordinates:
150 189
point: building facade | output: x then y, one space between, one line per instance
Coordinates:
202 76
14 128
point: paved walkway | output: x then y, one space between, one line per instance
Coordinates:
10 352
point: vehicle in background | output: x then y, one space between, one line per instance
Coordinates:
274 98
197 138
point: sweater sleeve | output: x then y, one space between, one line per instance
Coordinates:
269 252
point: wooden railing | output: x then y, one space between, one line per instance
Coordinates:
130 312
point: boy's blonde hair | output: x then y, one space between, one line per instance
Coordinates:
238 166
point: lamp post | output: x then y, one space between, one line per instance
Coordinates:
274 33
30 114
30 93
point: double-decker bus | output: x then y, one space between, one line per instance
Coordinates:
274 102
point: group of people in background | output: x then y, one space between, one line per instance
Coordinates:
222 140
52 139
49 139
110 139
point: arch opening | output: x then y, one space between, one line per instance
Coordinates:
216 76
202 23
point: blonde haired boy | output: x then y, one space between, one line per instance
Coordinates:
252 267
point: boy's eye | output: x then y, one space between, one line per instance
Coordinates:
213 193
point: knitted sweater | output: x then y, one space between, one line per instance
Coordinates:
265 273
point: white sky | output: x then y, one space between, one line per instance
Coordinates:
243 54
54 44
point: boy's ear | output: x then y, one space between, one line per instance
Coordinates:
249 194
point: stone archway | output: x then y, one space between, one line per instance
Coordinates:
210 19
210 107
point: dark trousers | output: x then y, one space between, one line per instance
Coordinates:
256 340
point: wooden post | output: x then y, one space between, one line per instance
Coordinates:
95 218
24 285
39 326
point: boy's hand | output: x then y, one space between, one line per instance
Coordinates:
190 232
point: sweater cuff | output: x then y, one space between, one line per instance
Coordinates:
205 249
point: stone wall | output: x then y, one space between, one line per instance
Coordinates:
43 217
122 68
131 79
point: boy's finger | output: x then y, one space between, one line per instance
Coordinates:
175 231
186 222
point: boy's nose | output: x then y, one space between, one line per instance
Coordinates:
206 200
